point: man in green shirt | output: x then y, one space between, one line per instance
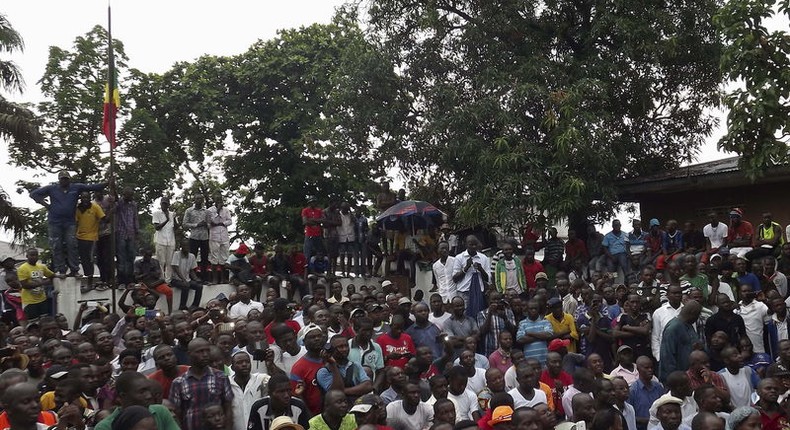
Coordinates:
133 388
334 415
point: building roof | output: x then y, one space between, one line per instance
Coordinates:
17 252
724 173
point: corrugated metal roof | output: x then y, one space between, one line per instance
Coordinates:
709 168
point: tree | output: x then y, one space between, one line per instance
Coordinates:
18 124
522 107
73 83
756 61
313 104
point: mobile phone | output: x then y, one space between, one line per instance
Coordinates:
152 314
226 327
91 304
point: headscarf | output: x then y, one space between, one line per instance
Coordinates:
737 416
129 417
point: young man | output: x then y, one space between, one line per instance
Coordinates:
35 278
663 315
562 324
725 320
633 329
165 224
133 389
525 393
437 316
509 273
200 386
245 303
740 234
148 271
626 368
534 332
423 332
616 248
772 415
278 403
195 222
741 380
312 217
305 371
218 219
341 374
621 402
557 379
470 275
531 268
89 215
464 399
127 229
715 236
644 391
679 339
410 412
501 358
443 273
334 414
754 314
184 275
493 321
246 387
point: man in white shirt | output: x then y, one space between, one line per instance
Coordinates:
663 315
755 315
715 234
409 413
164 221
471 268
346 239
466 406
741 380
286 351
247 388
525 393
245 304
443 273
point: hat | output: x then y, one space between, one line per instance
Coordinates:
358 311
56 372
502 414
557 344
554 301
221 297
666 399
715 256
242 249
404 301
280 304
541 275
64 174
373 307
284 423
365 403
736 212
623 348
654 222
386 283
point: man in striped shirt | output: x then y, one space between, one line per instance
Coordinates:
534 332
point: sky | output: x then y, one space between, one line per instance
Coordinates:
157 34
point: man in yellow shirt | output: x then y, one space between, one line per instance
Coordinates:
35 278
88 216
562 323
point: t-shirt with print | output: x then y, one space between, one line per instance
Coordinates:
312 213
32 296
305 370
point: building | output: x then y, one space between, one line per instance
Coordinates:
691 192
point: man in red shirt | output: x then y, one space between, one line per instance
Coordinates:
167 368
575 248
282 315
304 371
312 217
531 267
397 346
740 236
557 379
298 261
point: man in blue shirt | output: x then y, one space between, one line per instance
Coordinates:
62 224
644 391
616 247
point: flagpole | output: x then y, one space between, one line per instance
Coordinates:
113 191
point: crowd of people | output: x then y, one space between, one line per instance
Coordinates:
658 328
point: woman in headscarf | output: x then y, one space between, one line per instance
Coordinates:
134 418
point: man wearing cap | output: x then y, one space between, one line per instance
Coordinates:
501 417
626 368
304 372
562 323
668 413
165 223
677 387
740 234
370 409
62 225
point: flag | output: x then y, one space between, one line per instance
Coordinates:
111 103
112 99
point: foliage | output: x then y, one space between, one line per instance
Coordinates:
520 107
73 83
757 63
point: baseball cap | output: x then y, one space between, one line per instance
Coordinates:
373 307
557 344
365 403
623 348
64 174
57 372
221 297
404 301
284 423
654 222
554 301
357 312
386 283
715 256
502 414
242 249
736 212
541 275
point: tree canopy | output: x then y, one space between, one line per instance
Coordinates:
523 106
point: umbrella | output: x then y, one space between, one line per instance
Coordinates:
418 213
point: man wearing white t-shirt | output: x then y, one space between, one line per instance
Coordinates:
525 393
245 304
755 315
466 407
409 413
164 221
715 235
